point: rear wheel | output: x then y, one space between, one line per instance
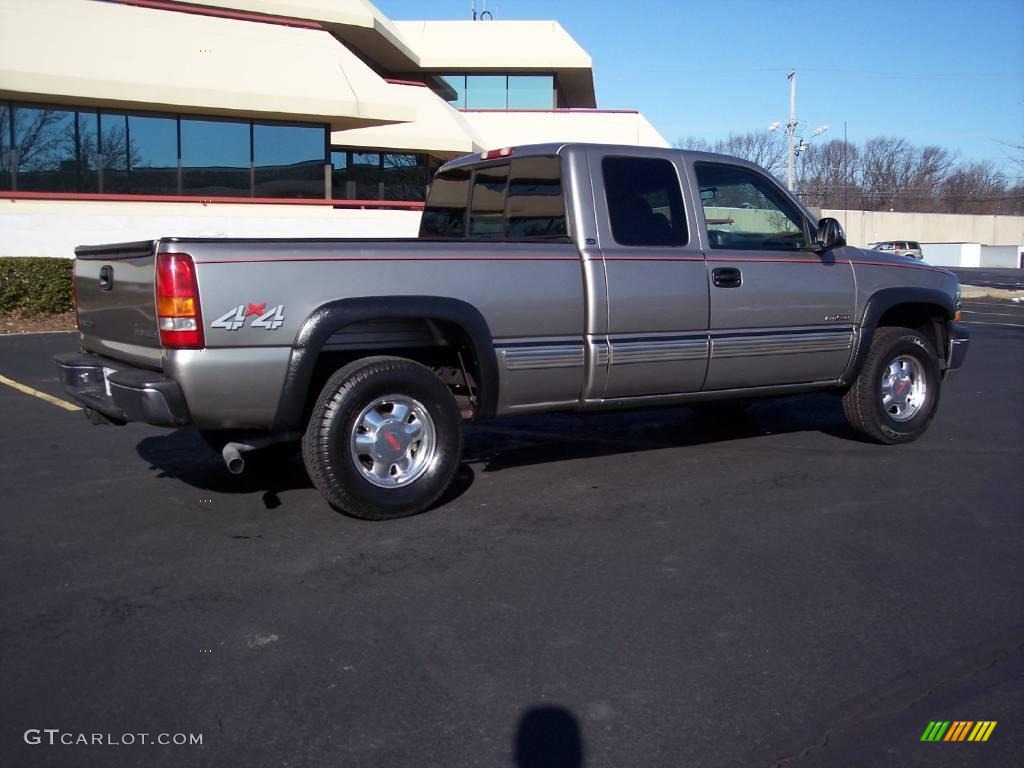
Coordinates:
384 439
896 393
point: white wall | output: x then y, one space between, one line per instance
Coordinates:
508 129
1002 256
54 228
973 255
952 254
863 227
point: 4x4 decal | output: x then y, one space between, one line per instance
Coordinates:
235 318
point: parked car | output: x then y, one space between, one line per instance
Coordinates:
545 278
910 248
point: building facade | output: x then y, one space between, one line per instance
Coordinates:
132 119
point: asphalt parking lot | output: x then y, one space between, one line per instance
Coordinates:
991 277
634 589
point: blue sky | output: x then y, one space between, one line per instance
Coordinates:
946 72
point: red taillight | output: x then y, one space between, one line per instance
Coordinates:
491 154
177 302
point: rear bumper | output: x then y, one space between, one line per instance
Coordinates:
959 339
122 393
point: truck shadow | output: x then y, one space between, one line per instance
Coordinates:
492 446
525 440
182 455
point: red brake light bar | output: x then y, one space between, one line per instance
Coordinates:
491 154
177 302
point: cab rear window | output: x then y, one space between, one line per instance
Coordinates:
520 200
445 212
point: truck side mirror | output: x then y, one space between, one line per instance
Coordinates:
829 235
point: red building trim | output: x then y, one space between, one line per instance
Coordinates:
399 81
223 13
559 110
109 198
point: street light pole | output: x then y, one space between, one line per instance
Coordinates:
791 130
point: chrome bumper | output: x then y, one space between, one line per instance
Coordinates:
113 392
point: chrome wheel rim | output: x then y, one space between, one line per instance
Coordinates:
393 441
904 388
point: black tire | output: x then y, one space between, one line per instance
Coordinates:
862 403
326 443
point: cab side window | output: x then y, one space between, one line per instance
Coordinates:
744 210
645 204
536 204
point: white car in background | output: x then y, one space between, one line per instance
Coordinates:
910 248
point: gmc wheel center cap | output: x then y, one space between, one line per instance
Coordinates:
391 441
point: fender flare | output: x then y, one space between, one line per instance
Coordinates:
881 302
328 318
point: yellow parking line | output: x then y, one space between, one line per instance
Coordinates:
41 395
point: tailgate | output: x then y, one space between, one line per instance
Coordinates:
116 302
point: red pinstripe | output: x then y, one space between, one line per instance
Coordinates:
441 257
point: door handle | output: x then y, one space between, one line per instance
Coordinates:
727 277
106 278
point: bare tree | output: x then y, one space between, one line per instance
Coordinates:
977 188
828 173
765 149
885 173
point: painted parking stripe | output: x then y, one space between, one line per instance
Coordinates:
41 395
1005 325
994 314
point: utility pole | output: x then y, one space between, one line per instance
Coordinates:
791 130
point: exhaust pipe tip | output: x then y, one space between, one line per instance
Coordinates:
232 452
233 459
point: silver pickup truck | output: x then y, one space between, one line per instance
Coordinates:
545 278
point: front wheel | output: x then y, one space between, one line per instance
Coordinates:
895 396
384 439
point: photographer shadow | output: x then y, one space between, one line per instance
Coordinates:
548 737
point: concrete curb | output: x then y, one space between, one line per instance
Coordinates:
981 292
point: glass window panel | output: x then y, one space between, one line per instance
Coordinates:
88 147
6 170
645 205
445 212
214 157
339 175
140 154
51 153
364 172
536 207
745 210
487 211
289 160
486 91
405 176
531 91
458 84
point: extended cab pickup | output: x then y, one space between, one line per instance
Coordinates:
545 278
